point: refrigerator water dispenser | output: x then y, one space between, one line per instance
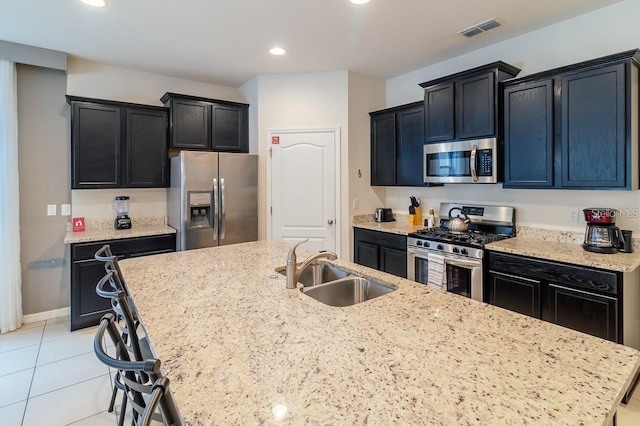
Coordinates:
199 209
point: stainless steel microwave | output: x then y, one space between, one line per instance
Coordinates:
471 161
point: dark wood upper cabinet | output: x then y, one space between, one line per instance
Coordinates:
465 105
475 103
397 140
439 112
207 124
146 148
574 127
117 144
190 128
593 137
383 149
96 144
229 128
528 135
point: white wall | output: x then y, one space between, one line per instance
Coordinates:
96 80
606 31
301 101
365 95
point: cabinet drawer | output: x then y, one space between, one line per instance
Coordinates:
381 238
126 247
570 275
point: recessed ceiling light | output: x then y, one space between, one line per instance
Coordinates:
277 51
95 3
359 1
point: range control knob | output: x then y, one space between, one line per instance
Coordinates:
426 244
440 247
419 243
464 251
456 249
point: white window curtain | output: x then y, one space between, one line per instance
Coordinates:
10 275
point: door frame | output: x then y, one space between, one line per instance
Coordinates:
337 153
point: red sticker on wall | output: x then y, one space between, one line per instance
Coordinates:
78 224
275 140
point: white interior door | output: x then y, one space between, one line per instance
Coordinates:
303 188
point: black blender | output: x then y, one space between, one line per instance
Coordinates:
120 206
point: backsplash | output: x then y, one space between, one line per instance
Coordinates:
147 207
101 223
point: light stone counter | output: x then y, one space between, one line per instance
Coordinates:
399 226
236 343
113 234
567 252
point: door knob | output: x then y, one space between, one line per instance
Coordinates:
330 221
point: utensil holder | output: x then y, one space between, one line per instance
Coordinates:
412 219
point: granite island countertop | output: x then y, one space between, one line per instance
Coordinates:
239 348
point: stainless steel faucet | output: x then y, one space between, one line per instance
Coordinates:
294 271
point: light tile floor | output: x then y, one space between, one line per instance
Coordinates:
49 376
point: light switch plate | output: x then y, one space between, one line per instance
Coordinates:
65 209
51 209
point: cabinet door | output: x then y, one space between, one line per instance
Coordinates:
383 149
96 144
528 135
393 261
146 149
366 254
439 113
190 124
475 106
86 306
410 145
593 128
584 311
228 128
515 293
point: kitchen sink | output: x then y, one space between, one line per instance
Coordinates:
347 291
317 273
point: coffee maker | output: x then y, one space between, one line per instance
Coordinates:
120 206
602 236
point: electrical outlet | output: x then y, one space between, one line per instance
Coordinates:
51 209
65 209
574 215
356 204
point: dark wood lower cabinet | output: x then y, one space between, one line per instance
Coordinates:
517 294
381 250
584 299
86 306
590 313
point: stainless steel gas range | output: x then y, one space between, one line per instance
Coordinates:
452 261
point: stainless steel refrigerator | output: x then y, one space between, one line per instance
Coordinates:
213 199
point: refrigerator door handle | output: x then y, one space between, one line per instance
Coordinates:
214 210
223 216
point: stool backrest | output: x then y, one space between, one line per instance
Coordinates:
144 386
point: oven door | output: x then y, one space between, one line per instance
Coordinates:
464 276
418 265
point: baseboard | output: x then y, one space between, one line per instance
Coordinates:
42 316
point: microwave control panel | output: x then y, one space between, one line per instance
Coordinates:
485 162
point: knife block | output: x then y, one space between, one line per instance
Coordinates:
417 218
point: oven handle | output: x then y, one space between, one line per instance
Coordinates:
472 165
463 263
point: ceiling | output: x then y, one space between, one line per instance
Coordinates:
227 41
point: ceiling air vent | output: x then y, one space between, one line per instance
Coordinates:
480 28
